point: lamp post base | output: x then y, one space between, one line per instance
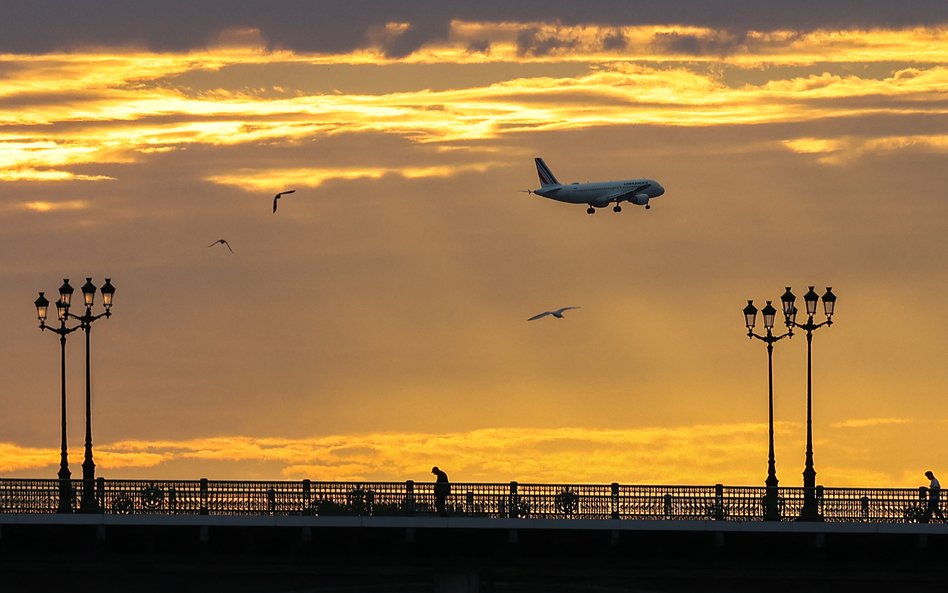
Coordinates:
65 487
771 500
88 503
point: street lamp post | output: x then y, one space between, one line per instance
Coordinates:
88 503
771 507
810 510
62 312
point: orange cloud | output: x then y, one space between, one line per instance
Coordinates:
647 455
696 454
52 206
837 151
869 422
91 108
265 180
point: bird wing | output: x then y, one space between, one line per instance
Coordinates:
544 314
228 245
560 311
214 243
275 198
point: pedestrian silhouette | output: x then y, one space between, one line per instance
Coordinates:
441 490
934 492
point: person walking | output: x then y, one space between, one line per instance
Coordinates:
934 492
441 490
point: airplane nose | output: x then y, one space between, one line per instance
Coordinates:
661 190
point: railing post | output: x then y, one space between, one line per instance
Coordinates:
410 497
614 500
513 507
204 510
100 493
718 502
307 493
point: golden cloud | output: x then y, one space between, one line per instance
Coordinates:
265 180
869 422
41 206
696 454
16 458
92 108
647 455
837 151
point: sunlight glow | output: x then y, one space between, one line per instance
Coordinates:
646 455
264 180
52 206
695 454
838 151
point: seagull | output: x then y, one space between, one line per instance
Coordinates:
558 313
222 242
277 197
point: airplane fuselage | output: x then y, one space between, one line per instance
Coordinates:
601 194
597 194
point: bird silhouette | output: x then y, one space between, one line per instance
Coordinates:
277 197
222 242
558 313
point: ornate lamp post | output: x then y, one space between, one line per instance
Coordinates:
62 312
810 510
88 503
771 508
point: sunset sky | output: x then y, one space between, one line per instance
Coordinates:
375 325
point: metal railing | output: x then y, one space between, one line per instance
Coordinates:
495 500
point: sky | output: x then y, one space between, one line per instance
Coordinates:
376 324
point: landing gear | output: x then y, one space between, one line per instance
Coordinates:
617 208
590 210
647 206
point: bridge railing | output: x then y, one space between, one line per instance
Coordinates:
496 500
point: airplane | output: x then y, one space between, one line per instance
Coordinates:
596 194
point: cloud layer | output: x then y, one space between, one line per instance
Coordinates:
37 26
654 455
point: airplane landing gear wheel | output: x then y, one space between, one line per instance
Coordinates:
590 210
617 208
647 206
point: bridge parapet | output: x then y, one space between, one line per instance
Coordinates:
467 499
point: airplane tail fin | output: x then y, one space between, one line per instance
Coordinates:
546 176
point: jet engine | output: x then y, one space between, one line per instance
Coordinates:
640 199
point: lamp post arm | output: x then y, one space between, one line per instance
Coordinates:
60 331
87 318
770 338
809 326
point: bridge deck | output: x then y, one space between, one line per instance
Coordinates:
478 523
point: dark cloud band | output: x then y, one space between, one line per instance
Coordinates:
37 26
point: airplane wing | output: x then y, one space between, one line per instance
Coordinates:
625 194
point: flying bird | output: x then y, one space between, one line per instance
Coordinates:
557 313
277 197
222 242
